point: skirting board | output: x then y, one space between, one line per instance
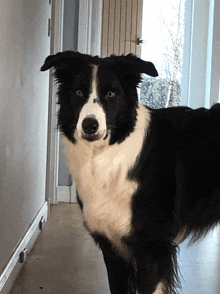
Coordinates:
67 193
13 267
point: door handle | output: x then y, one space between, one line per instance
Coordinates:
139 41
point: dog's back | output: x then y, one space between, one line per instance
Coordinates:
198 169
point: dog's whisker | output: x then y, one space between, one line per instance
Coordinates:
112 132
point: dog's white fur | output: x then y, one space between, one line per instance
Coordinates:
100 172
93 109
159 289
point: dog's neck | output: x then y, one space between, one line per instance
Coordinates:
83 152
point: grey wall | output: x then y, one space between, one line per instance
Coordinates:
24 44
70 37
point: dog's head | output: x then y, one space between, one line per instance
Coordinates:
97 96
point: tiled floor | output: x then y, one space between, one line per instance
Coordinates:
65 260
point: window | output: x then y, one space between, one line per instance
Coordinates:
201 62
163 38
200 46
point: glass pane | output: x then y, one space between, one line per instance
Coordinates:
163 36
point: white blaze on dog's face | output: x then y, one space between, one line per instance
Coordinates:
91 124
97 96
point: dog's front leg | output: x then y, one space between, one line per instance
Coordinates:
157 268
120 272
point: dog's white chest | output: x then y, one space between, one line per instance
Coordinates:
100 172
106 196
104 189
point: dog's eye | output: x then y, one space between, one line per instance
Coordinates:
79 93
111 94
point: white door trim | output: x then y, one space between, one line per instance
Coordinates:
84 26
53 134
67 193
89 27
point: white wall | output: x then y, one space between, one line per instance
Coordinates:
24 44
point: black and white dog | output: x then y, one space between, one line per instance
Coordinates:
146 179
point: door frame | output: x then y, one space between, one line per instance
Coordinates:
56 32
90 21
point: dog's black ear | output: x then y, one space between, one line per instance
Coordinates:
63 60
146 67
131 67
65 64
132 63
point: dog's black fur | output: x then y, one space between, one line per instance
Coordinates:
177 169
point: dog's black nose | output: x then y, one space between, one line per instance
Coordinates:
90 125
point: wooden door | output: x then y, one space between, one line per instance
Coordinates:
121 27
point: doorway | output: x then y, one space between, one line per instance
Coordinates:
81 32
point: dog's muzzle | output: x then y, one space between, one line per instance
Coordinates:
90 128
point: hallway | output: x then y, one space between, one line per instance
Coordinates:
65 260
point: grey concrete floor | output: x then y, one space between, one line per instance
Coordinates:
65 260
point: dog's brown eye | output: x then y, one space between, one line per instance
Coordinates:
111 94
79 93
